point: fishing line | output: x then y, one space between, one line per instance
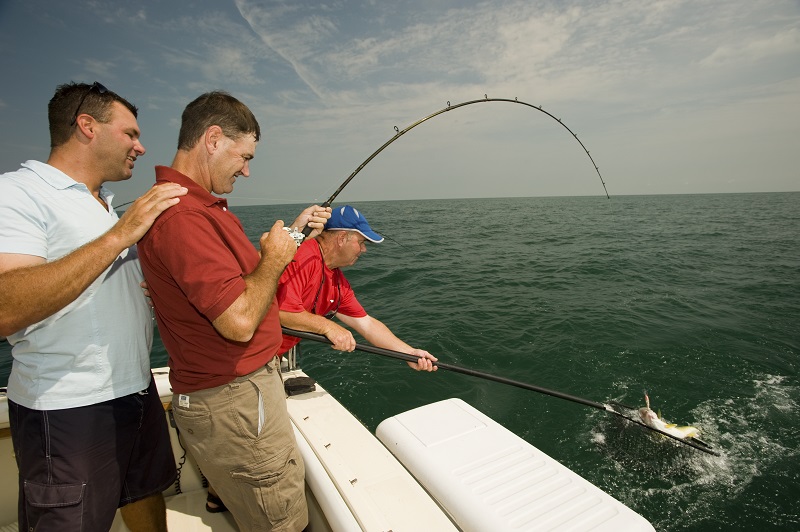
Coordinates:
399 133
387 237
271 201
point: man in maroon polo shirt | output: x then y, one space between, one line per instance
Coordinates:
214 296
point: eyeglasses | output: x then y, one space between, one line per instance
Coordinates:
99 87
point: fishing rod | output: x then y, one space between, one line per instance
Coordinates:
503 380
399 133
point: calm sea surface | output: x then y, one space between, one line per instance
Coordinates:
694 298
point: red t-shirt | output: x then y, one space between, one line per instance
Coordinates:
308 284
194 258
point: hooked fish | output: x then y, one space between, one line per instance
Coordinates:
651 419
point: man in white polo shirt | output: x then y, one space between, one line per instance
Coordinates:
87 424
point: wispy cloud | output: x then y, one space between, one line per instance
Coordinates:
112 12
786 42
98 68
612 47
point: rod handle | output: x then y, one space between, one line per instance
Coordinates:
307 230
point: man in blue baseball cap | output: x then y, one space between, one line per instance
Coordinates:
313 290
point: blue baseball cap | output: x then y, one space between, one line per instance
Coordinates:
347 218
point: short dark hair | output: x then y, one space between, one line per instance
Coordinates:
64 105
216 108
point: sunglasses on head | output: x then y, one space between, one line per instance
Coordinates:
99 87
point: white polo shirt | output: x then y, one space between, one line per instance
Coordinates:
98 347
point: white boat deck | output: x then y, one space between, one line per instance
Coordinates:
186 513
378 490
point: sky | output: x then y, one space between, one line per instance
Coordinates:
669 97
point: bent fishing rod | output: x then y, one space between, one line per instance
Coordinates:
503 380
399 133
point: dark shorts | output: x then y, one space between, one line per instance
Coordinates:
78 465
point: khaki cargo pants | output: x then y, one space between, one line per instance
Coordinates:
241 437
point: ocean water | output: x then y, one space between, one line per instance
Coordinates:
694 298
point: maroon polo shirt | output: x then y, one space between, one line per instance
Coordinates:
194 259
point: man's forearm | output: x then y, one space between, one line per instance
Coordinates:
33 290
304 321
377 333
240 321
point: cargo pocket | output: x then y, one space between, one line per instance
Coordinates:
277 487
65 499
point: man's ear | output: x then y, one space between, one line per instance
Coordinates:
85 125
212 138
